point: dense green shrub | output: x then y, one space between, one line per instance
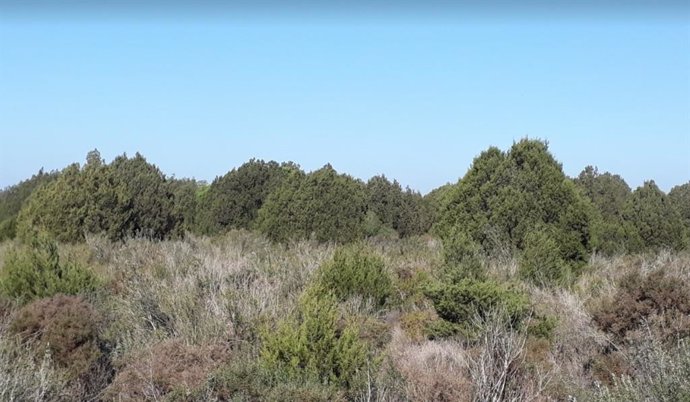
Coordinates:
469 299
66 325
652 219
13 197
406 212
679 197
504 196
126 198
608 193
323 205
233 200
312 347
36 271
541 261
462 256
356 270
247 380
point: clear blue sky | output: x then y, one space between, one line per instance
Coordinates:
413 98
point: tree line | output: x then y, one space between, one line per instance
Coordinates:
513 201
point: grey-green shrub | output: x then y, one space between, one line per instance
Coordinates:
36 271
312 347
356 270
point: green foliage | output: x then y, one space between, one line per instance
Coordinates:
406 212
608 194
504 196
463 301
462 256
185 193
233 200
323 205
33 272
356 270
653 221
679 198
13 197
312 347
541 261
129 197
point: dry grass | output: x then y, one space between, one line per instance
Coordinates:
178 311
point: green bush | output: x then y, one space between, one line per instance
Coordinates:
462 257
356 270
33 272
541 262
323 205
312 347
233 200
505 195
468 299
651 217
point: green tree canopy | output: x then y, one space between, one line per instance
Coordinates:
322 204
233 200
652 219
506 195
12 198
406 212
608 193
128 197
679 197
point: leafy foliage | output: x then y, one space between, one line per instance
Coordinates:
679 198
323 205
505 196
313 347
652 220
463 301
356 270
129 197
406 212
233 200
541 261
36 272
13 197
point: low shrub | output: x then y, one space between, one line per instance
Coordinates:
541 262
247 380
356 271
168 368
312 346
36 272
67 326
659 300
469 299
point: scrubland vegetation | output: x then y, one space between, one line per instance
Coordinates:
516 283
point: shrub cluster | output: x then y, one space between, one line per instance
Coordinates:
67 326
655 300
356 271
312 346
36 271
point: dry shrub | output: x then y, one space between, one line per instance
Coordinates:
66 325
575 342
168 366
497 364
658 299
431 370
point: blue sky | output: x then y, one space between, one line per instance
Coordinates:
413 98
